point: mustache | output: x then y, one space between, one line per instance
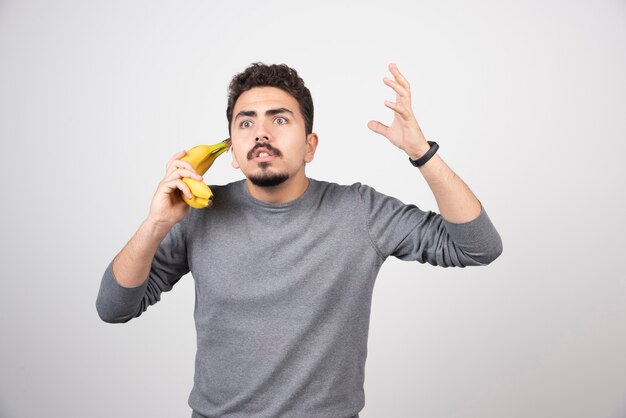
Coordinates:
270 148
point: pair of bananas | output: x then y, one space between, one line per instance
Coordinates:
202 157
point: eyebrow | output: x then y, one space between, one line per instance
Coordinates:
269 112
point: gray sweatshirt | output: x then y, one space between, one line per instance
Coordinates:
283 291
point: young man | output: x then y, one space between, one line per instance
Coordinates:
284 264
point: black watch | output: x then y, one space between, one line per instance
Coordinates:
424 158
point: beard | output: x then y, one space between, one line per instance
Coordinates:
267 179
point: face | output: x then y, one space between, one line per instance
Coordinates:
269 144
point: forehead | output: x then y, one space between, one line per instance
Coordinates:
260 98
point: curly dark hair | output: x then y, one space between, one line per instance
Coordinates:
275 75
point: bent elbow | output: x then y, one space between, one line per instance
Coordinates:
110 316
497 249
485 256
492 252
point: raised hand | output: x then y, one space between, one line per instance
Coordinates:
404 132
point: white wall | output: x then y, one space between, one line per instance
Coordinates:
526 99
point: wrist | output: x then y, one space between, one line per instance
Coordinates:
418 152
156 228
424 158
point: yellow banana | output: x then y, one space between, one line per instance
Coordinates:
201 157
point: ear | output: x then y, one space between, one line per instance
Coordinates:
234 162
311 146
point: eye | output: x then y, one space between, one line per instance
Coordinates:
280 120
243 124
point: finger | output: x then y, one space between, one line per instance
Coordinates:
184 188
401 91
182 172
176 156
399 77
399 109
177 184
178 164
378 127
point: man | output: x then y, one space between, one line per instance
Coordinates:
285 265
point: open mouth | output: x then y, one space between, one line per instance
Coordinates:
262 154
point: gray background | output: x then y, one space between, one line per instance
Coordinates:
526 99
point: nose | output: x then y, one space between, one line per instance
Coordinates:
262 134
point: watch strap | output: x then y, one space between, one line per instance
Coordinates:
424 158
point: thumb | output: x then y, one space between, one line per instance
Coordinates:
378 127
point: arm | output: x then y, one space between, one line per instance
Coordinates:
462 234
456 201
411 234
454 198
155 257
118 303
132 264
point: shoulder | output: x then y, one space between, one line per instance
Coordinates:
341 190
353 197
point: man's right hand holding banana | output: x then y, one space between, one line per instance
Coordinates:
167 206
181 187
183 184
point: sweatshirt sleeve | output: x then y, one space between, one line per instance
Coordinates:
409 233
116 303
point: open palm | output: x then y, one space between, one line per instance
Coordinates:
404 131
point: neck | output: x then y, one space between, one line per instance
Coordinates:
289 190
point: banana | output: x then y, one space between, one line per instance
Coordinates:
202 157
